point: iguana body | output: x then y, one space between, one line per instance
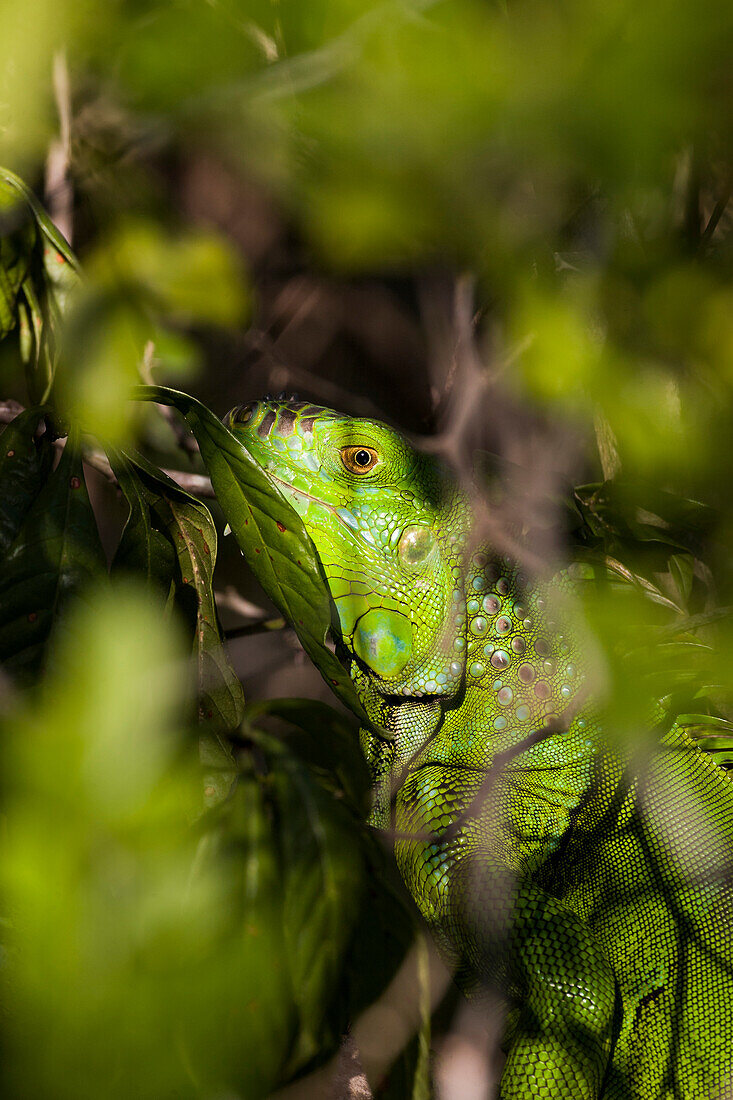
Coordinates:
596 896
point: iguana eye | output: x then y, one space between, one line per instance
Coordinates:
359 460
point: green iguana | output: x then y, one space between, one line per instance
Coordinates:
596 895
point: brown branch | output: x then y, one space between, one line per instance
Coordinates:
231 600
199 485
382 1031
9 410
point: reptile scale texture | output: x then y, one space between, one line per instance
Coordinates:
595 895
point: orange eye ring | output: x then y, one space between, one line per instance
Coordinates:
359 460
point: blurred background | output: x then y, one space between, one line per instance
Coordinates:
496 224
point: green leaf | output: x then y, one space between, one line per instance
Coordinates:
25 463
322 896
253 1016
17 238
712 734
171 540
54 555
38 272
321 842
640 511
323 739
270 534
681 568
348 921
388 927
144 549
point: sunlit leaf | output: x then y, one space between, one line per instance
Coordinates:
271 535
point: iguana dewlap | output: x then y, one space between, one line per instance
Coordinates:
597 897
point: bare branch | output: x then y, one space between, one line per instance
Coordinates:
9 410
231 600
382 1031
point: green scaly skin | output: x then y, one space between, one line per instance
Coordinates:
608 928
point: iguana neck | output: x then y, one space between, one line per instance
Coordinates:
522 672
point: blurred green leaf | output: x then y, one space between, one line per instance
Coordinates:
55 553
170 539
191 277
25 463
144 286
270 534
185 962
104 926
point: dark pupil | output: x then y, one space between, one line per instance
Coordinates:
362 458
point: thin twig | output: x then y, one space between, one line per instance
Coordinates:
717 214
184 439
231 600
199 485
495 771
59 193
263 626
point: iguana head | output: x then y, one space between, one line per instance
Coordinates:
389 526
